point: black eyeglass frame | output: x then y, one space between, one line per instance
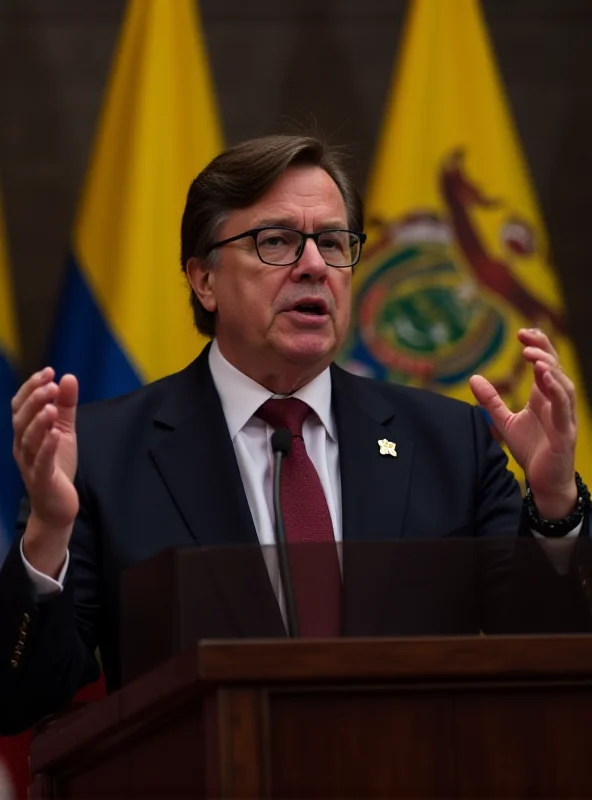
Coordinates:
254 232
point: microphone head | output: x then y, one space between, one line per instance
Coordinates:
281 441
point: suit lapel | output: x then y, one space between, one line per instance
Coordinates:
374 487
374 491
196 460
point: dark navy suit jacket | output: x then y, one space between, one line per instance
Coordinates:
157 469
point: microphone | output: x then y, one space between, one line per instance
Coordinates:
281 444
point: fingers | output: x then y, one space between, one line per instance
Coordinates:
36 394
533 337
534 354
549 376
35 432
43 464
44 447
34 382
489 399
561 412
542 369
67 402
559 391
39 406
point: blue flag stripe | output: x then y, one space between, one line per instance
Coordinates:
83 344
10 484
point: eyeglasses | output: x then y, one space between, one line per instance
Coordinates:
281 247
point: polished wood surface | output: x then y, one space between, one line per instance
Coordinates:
472 717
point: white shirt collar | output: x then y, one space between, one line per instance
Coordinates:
241 396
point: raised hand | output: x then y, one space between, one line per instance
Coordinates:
44 423
542 436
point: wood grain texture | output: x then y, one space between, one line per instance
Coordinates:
472 718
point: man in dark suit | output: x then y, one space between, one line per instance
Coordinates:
271 232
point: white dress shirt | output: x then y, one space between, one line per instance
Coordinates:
241 397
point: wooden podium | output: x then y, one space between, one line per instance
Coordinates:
481 717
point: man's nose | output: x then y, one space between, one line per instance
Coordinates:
311 263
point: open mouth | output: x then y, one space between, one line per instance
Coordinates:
315 309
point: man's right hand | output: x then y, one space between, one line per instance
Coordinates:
44 422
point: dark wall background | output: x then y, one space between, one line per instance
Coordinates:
276 65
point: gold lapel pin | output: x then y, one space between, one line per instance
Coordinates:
387 448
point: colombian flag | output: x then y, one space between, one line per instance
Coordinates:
458 256
10 485
124 317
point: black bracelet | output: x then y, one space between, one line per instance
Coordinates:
558 527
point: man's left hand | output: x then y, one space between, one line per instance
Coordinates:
542 436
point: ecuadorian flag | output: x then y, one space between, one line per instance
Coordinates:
124 318
458 258
10 484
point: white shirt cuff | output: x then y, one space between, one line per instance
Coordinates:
559 550
44 585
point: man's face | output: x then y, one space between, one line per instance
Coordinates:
281 325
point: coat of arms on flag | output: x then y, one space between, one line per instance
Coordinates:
458 258
434 303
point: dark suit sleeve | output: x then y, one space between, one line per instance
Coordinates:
47 648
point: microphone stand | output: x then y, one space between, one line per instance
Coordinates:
281 442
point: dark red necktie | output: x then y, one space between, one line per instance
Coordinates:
309 530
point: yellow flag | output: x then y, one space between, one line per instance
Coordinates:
9 349
124 318
10 486
458 256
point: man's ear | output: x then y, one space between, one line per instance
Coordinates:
202 280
